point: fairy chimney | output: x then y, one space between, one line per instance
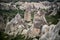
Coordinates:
39 19
27 15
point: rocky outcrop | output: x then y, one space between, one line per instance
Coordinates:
53 34
38 22
39 19
15 26
27 15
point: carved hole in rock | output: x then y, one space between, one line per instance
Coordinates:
9 31
37 37
59 33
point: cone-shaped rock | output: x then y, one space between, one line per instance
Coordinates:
15 26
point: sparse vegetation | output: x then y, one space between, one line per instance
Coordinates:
9 14
53 19
4 36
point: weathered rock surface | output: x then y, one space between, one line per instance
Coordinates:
15 26
53 34
39 19
25 5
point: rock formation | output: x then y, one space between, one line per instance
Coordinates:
15 26
53 34
39 19
27 15
38 27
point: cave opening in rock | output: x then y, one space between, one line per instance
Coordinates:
59 33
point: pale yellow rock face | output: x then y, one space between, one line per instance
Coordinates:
34 32
27 16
